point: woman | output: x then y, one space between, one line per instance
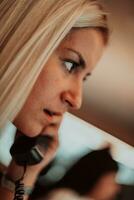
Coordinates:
48 48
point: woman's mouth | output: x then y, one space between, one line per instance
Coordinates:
49 112
53 117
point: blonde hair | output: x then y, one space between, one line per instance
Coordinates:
30 31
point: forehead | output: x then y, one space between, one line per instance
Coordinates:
87 41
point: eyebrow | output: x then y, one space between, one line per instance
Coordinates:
81 60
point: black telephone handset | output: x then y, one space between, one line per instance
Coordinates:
29 151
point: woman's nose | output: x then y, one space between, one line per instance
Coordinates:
73 97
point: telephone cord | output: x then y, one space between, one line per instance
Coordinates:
19 187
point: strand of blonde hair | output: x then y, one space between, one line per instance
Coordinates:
20 70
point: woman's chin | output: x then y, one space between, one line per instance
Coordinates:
30 131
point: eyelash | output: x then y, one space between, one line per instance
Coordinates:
72 68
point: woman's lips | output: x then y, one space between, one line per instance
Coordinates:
53 122
53 117
52 113
48 112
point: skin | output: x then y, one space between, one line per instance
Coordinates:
59 85
57 89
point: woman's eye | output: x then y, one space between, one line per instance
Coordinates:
70 65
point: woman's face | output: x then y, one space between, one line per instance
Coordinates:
59 85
